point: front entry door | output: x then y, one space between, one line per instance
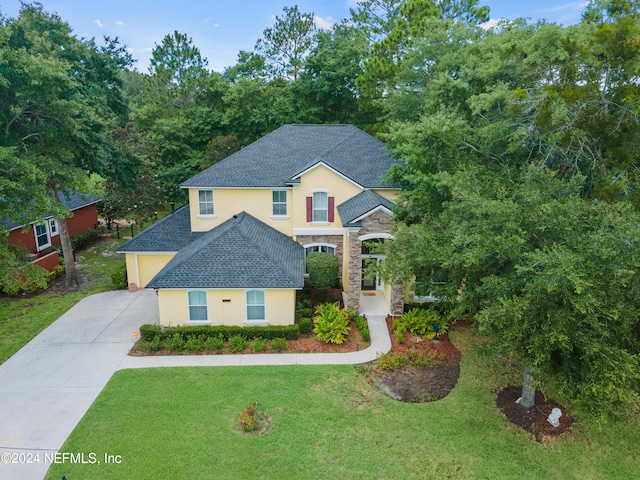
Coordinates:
369 281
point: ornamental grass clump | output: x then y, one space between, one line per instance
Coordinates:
331 323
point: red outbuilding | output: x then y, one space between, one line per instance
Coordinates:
45 233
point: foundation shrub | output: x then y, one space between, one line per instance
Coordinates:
195 343
214 343
279 344
237 343
306 325
175 342
259 345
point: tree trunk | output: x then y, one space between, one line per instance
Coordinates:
70 269
528 390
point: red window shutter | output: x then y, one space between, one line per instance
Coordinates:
331 207
309 209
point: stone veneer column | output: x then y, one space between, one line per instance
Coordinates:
397 300
355 271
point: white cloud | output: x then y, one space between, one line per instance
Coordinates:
492 23
98 22
324 23
119 23
211 20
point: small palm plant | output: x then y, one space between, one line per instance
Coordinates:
331 323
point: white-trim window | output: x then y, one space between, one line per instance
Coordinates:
205 202
43 240
279 203
255 306
198 306
53 227
320 207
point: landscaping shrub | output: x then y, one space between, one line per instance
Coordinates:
84 239
362 325
389 362
331 323
290 332
175 343
237 343
323 270
195 343
420 322
259 345
214 343
119 276
151 346
279 344
148 332
306 325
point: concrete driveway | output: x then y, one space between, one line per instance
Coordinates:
48 385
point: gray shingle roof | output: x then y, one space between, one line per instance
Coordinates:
276 158
360 205
242 252
170 234
72 200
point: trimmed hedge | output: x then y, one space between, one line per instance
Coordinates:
268 332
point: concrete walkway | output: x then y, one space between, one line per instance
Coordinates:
47 387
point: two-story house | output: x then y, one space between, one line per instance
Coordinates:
235 255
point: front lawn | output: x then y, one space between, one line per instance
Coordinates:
328 423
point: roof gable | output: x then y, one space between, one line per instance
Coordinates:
242 252
361 206
277 159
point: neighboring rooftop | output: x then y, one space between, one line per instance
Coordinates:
242 252
359 206
72 200
275 159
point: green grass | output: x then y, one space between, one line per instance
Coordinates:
22 318
328 423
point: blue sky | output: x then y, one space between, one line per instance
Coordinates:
221 28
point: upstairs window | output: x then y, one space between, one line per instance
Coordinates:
279 203
320 207
205 202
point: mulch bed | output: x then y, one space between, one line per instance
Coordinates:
533 420
419 383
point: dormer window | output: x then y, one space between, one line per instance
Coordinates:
205 202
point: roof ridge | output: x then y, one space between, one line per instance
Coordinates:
261 248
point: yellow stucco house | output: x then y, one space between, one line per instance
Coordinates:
235 255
